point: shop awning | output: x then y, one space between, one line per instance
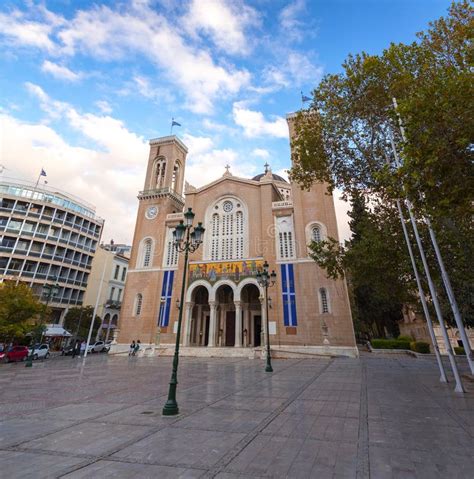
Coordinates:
54 330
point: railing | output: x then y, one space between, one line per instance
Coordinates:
167 191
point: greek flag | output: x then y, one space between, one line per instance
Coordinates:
43 173
174 123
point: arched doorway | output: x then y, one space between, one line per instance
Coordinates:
199 335
252 315
225 316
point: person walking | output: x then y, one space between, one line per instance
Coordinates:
76 350
82 349
131 351
137 347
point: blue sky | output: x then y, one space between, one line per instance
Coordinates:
84 85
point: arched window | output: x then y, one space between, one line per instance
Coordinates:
316 234
138 304
146 253
227 226
174 178
323 300
171 253
285 246
160 171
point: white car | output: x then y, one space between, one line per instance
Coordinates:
41 351
98 347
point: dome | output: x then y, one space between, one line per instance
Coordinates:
275 177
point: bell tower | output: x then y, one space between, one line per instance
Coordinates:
152 256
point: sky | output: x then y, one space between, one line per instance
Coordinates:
84 85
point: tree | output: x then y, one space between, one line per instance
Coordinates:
344 139
77 321
19 308
375 265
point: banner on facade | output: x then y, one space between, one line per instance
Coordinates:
233 270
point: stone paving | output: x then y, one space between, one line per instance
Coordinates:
377 417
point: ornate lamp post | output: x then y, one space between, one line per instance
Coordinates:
51 290
185 242
267 280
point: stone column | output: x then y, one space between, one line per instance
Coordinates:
187 330
212 324
238 325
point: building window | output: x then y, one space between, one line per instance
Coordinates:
124 274
171 253
324 302
174 178
112 293
285 237
316 234
119 296
160 171
146 253
117 270
138 304
228 231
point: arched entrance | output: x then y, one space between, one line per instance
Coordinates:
199 335
226 316
252 315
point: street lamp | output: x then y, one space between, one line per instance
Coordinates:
267 280
185 242
51 290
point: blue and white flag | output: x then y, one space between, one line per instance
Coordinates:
305 98
174 123
43 173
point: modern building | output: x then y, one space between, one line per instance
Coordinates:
248 221
110 269
119 248
46 237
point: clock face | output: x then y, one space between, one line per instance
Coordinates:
227 206
151 212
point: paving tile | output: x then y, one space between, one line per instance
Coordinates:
93 438
124 470
76 412
183 447
27 465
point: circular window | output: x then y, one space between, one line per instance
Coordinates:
227 206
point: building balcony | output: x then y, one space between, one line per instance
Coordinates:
113 304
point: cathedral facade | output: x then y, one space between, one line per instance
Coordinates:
247 222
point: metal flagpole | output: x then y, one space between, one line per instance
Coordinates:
459 387
421 293
95 310
451 297
447 283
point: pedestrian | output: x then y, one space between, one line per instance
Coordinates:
82 348
76 349
137 347
131 351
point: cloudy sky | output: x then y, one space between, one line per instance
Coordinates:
85 84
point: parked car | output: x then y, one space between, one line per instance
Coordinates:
99 347
17 353
41 351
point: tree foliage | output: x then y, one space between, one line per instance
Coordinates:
19 309
77 321
344 140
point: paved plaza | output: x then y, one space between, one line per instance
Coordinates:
378 417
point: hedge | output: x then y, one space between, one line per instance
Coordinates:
390 344
459 350
420 347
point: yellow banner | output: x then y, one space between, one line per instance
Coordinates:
234 270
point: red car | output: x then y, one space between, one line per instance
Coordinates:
18 353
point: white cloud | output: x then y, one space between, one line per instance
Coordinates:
104 106
254 123
197 144
295 71
292 21
61 72
224 21
84 172
261 153
19 30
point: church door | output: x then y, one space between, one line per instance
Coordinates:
230 328
257 330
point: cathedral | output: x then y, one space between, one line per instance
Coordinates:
247 221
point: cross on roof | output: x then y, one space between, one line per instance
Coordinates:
227 168
266 165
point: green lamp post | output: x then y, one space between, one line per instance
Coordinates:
185 242
51 290
267 280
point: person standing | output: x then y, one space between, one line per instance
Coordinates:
82 349
131 351
76 350
137 347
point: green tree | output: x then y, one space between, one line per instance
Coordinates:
19 309
77 321
344 139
